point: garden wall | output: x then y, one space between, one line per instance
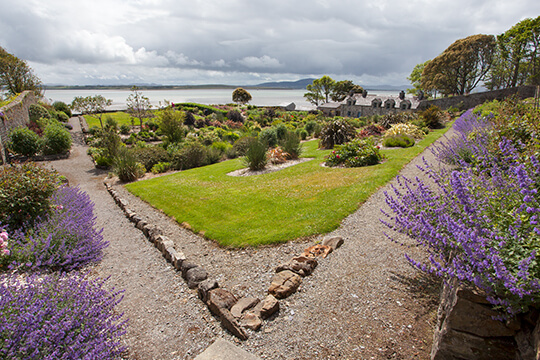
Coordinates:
466 329
465 102
13 115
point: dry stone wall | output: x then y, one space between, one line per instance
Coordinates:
13 115
465 102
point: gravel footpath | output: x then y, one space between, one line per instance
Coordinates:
364 301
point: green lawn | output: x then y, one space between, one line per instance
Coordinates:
120 117
295 202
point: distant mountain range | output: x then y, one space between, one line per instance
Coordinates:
299 84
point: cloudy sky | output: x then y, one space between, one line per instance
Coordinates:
242 42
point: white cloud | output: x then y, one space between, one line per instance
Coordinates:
263 62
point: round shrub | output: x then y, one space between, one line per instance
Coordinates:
235 116
63 107
269 137
36 112
191 156
65 316
303 134
356 153
56 139
310 126
336 132
124 129
24 193
150 156
24 141
403 141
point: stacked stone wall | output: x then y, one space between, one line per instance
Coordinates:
13 115
465 102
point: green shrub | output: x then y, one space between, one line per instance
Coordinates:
310 126
56 139
149 156
190 156
398 118
241 145
303 134
161 167
111 124
357 153
62 116
24 193
126 166
432 117
124 129
336 132
269 137
403 141
281 131
404 129
291 145
221 146
36 112
104 161
24 141
61 106
256 158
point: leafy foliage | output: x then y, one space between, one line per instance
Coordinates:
56 139
24 141
150 156
16 76
36 112
24 193
93 106
432 117
357 153
403 141
126 166
241 96
67 316
404 129
336 132
291 145
256 157
138 105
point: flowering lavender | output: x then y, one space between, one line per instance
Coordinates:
478 225
66 316
64 239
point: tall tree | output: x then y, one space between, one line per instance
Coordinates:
517 61
416 79
314 94
16 76
138 105
460 68
343 88
241 96
91 105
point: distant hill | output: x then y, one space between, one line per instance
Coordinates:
300 84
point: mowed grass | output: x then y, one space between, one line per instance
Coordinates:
299 201
120 117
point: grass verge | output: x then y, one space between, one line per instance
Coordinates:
299 201
120 117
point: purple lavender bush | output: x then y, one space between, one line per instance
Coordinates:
479 224
66 316
64 239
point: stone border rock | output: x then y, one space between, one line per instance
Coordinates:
234 314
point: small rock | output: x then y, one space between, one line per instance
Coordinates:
186 226
220 299
242 305
317 250
229 322
334 242
251 321
177 259
204 287
300 265
195 275
186 265
141 224
267 307
284 284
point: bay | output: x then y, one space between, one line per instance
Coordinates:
260 97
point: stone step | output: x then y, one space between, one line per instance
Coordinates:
224 350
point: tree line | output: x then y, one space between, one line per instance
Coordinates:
497 62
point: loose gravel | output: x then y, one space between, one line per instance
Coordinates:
364 301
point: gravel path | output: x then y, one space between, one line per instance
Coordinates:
363 301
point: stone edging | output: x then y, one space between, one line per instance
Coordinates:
234 314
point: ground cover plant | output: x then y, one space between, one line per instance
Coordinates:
48 310
478 220
298 201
